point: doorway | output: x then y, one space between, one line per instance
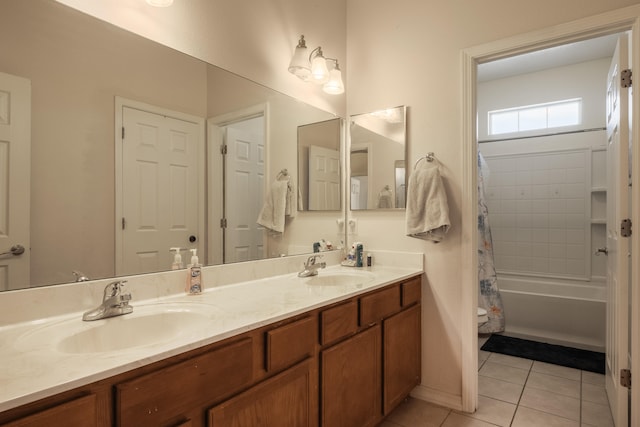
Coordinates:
596 26
237 159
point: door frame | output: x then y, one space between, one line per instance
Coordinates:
625 19
215 178
121 103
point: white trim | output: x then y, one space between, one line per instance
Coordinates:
607 23
120 103
438 397
214 159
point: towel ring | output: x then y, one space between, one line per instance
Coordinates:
284 173
430 157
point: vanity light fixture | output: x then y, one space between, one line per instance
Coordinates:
160 3
316 68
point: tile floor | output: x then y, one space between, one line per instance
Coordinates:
515 392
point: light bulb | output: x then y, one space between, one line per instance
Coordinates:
299 65
334 86
319 70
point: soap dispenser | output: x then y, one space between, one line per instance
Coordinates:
194 275
177 259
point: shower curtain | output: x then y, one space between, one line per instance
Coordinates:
489 297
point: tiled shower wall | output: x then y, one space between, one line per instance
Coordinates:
539 206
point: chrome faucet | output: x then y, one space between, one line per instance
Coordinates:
114 303
311 266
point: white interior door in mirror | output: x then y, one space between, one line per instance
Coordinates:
15 164
324 179
160 190
244 188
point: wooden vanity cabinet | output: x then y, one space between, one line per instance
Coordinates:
347 364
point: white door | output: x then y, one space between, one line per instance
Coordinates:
324 179
244 184
15 173
160 190
617 346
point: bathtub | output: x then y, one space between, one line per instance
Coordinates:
564 312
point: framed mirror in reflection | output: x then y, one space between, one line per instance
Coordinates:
112 148
377 156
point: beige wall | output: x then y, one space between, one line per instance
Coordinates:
252 38
409 52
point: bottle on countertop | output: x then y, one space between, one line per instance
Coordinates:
177 259
359 254
194 275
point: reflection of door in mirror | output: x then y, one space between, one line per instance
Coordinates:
319 166
160 194
360 165
324 179
400 175
243 194
15 143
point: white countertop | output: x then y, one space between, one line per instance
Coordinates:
31 369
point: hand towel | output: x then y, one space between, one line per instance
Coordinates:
427 211
279 203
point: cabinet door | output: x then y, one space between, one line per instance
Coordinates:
81 412
286 400
350 386
402 350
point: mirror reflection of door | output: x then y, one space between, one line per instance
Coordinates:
359 161
15 162
160 194
244 188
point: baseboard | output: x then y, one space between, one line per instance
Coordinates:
437 397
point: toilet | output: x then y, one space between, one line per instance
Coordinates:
482 316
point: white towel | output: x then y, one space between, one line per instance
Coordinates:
427 211
278 204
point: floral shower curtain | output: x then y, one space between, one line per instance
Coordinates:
489 297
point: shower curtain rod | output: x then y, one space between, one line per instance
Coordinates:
538 136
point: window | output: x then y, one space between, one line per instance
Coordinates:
535 117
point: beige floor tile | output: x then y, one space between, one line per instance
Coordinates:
386 423
459 420
483 355
556 370
493 411
498 389
593 378
514 362
417 413
594 414
527 417
482 339
504 373
554 384
551 403
594 393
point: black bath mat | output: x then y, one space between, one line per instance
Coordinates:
556 354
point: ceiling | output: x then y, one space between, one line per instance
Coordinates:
572 53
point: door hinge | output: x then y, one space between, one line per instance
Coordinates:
124 223
223 222
625 378
625 228
625 78
223 149
122 132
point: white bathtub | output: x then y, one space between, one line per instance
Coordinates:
561 312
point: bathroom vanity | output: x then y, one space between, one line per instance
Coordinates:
345 356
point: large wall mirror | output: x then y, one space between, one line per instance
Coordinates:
102 201
377 156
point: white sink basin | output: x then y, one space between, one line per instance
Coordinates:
339 278
147 325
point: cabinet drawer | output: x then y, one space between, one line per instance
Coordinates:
81 412
166 394
338 322
290 343
411 291
381 304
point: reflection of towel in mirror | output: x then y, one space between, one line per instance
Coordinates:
427 208
385 199
280 202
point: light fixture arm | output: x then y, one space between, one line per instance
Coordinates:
315 52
